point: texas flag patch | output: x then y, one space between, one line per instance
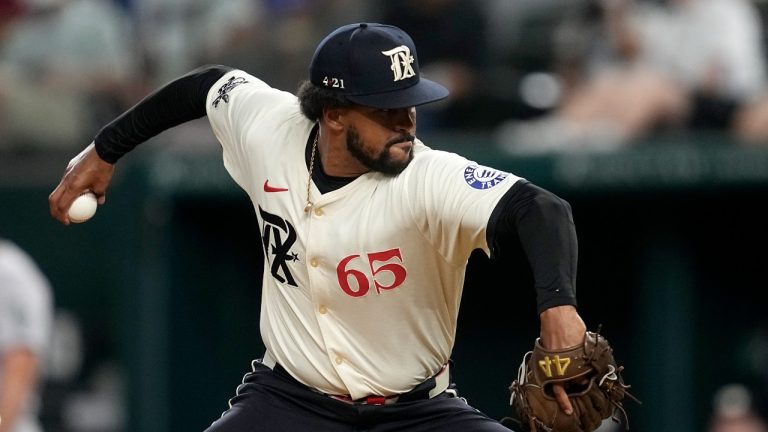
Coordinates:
482 177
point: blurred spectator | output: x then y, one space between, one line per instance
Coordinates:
523 40
746 422
452 34
282 35
733 411
175 34
273 38
26 309
9 11
662 64
63 69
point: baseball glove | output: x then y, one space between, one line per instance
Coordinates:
590 377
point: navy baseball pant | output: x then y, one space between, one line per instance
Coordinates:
273 401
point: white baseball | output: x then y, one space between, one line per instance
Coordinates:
83 208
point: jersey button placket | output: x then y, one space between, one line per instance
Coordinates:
319 211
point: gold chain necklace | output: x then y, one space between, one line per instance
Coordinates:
310 204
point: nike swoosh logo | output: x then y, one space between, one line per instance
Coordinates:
268 188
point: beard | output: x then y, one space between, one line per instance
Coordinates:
382 162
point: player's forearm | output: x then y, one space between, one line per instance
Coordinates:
544 225
19 371
175 103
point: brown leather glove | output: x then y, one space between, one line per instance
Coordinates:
591 378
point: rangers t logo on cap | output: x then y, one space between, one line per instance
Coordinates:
401 62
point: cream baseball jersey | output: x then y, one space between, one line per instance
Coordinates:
361 295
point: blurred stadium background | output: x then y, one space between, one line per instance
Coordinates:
157 297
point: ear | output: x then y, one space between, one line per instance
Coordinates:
334 119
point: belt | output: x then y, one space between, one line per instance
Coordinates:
428 389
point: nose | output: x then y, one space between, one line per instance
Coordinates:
404 120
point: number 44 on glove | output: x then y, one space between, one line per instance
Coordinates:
590 377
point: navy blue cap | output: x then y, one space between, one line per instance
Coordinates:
373 65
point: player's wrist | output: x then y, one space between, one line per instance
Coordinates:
105 153
561 327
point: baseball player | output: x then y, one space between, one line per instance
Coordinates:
366 233
26 309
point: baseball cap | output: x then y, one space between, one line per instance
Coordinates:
374 65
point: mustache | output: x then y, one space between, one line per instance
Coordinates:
401 138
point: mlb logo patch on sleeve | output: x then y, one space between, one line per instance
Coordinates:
482 177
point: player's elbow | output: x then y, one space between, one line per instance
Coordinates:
549 203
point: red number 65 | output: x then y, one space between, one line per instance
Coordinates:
363 281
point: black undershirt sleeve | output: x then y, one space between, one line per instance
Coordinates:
543 223
175 103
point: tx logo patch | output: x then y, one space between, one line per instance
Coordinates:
481 177
226 88
278 236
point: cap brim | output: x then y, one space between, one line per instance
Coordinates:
423 92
